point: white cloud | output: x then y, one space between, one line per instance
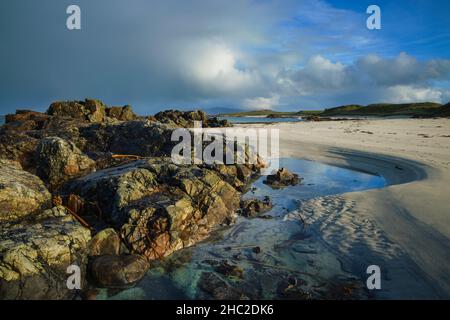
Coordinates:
262 102
371 78
404 93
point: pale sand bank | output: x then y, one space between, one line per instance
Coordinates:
405 227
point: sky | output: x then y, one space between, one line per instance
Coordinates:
210 54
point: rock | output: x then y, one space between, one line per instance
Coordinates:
18 147
113 271
35 254
59 161
217 288
229 270
257 250
282 178
21 193
160 207
253 207
25 120
121 113
186 119
106 242
139 137
88 110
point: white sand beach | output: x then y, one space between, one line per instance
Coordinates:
405 227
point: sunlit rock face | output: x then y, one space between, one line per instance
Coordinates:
160 207
36 252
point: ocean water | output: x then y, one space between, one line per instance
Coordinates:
2 120
288 249
259 119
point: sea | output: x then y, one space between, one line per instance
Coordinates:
259 119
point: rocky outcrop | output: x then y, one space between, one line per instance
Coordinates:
35 254
144 206
117 271
59 161
88 110
282 178
18 147
121 113
186 119
160 207
253 207
140 137
24 120
21 193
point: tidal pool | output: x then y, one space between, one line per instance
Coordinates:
262 258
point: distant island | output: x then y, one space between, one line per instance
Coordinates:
423 109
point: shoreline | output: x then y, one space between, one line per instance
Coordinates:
412 211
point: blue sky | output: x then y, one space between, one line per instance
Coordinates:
252 54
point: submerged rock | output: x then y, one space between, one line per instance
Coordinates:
253 207
218 289
225 268
282 178
59 161
112 271
35 254
21 193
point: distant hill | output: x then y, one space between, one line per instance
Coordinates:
271 113
385 109
443 111
221 110
420 109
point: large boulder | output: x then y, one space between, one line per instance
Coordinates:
35 255
116 271
59 161
88 110
121 113
251 208
139 137
282 178
105 242
21 193
160 207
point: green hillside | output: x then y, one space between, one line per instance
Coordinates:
385 109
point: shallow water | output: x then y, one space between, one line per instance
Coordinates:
259 119
289 254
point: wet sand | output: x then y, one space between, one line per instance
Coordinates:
405 227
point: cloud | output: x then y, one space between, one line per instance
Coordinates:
262 103
202 53
404 93
399 79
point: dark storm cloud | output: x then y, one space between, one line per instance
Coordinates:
159 54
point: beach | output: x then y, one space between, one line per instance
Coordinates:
404 227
